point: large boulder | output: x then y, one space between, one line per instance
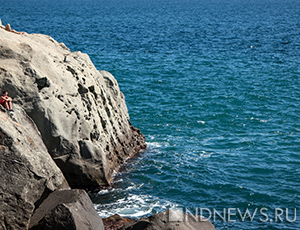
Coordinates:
80 111
27 172
66 209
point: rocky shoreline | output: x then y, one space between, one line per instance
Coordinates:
70 130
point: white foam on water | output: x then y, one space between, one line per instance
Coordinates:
154 144
260 120
119 180
157 145
104 191
205 154
114 190
130 188
133 206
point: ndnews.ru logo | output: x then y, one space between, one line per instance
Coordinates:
234 214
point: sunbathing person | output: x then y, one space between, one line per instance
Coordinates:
8 28
6 101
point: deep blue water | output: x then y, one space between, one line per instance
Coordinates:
213 85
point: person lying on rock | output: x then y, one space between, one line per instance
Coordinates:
8 28
6 101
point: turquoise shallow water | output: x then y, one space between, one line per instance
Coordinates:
213 85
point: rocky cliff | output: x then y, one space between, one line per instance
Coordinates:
27 172
80 111
30 179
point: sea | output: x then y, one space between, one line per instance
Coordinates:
214 85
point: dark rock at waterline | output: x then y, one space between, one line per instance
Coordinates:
66 209
170 220
115 222
80 111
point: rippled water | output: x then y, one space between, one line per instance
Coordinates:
213 85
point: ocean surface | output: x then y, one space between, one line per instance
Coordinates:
215 88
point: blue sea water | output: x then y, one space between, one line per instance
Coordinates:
213 85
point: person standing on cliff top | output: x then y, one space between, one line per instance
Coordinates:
6 101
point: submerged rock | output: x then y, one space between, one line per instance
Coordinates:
80 111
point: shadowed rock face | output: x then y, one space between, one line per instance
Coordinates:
27 172
66 209
80 112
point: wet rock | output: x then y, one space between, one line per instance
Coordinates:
115 222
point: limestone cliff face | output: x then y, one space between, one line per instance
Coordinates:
80 111
27 172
